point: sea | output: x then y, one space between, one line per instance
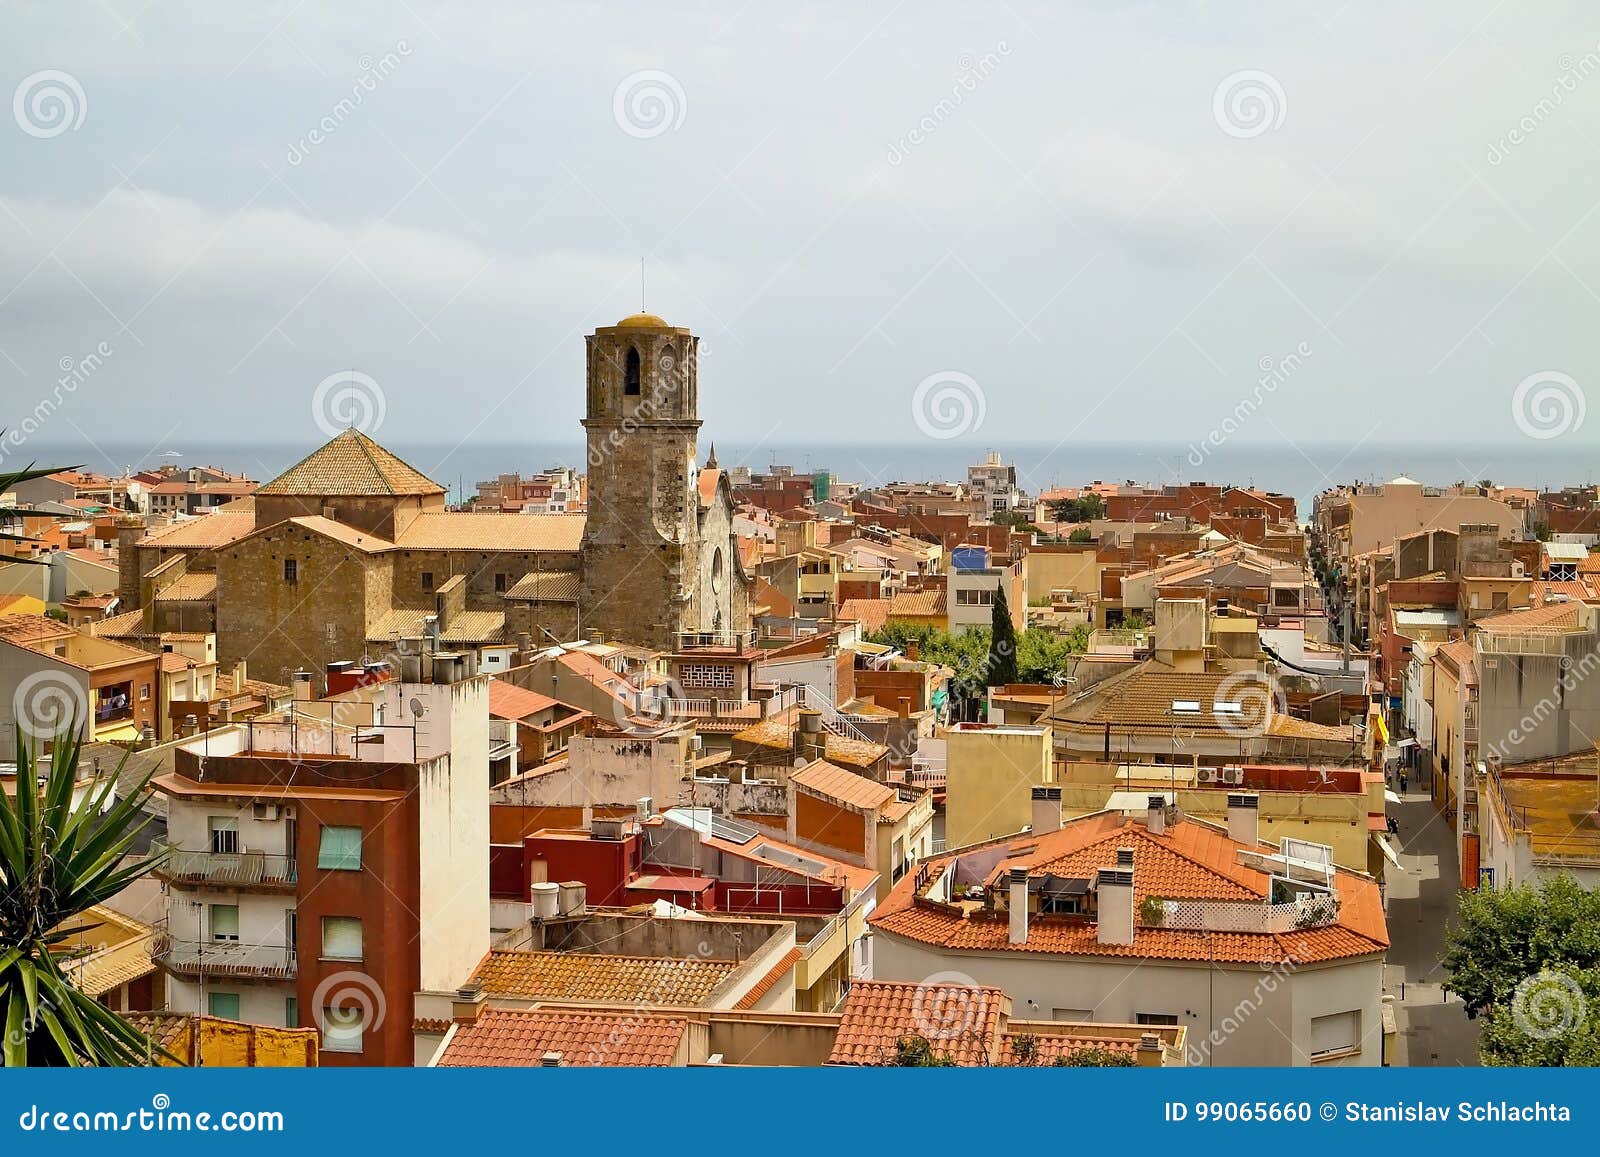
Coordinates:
1301 471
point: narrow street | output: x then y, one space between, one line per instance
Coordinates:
1433 1030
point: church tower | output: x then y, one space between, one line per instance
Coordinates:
642 547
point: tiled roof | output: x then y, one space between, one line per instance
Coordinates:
190 588
553 586
1291 728
778 732
1051 1046
172 663
339 532
872 614
351 465
472 628
494 532
958 1020
580 976
1571 588
777 972
1144 698
205 532
521 1037
1190 861
707 485
508 701
823 778
1550 619
127 625
29 629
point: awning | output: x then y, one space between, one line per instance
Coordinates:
1386 848
1391 796
127 733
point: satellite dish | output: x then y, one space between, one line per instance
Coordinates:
417 708
800 762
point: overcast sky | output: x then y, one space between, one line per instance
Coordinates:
1101 219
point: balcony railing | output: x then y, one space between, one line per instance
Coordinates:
211 958
224 869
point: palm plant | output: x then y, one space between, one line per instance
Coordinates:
12 514
59 858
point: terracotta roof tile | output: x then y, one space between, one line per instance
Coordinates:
129 624
766 984
29 629
205 532
351 464
823 778
958 1020
556 586
450 530
470 628
1550 619
200 586
585 976
521 1037
508 701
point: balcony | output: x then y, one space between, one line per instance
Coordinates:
247 871
204 959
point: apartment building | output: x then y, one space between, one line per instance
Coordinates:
329 864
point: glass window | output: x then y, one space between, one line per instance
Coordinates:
223 1004
1338 1033
291 1012
224 835
340 849
341 938
342 1029
291 570
224 921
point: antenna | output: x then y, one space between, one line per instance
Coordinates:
641 286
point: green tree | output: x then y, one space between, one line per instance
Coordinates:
8 483
1094 1058
1080 535
58 858
916 1052
1500 938
1551 1019
1084 509
1002 642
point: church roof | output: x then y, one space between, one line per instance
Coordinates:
351 464
643 321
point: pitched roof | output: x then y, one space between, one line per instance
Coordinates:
521 1037
30 629
451 530
823 778
129 624
204 532
551 586
1144 697
470 628
1550 619
508 701
580 976
1190 861
777 972
189 588
958 1020
351 465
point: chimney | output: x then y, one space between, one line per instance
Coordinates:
809 740
1017 904
130 529
1125 858
1046 810
1244 818
1115 895
468 1002
1149 1053
913 651
302 686
1156 818
905 707
551 1060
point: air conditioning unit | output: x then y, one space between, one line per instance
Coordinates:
1206 775
267 811
1233 776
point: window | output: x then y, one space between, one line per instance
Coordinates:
499 584
225 922
144 693
223 1004
342 1029
1498 600
341 938
224 835
427 580
1338 1033
291 929
1156 1018
706 675
340 849
291 570
291 1012
630 374
973 598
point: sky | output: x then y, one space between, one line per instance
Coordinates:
1275 223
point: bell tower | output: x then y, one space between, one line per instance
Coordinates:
641 540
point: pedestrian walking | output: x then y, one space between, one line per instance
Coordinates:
1402 780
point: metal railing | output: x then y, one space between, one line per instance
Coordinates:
224 869
222 957
841 919
832 718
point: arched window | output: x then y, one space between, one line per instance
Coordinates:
630 374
